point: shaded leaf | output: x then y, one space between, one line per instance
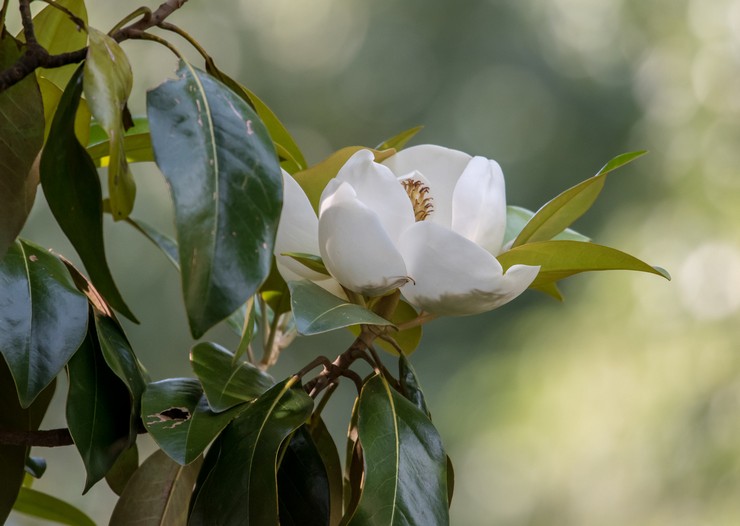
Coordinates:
21 138
560 212
51 94
15 417
123 469
177 416
410 387
226 383
246 332
405 466
43 506
137 144
399 141
107 84
310 261
408 339
316 310
158 494
353 465
517 217
327 450
241 485
36 467
227 189
43 317
72 189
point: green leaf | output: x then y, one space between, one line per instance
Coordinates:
241 485
560 212
43 506
21 138
51 95
316 310
408 339
72 189
399 141
123 469
158 494
107 84
137 144
36 467
405 466
98 409
353 472
410 387
327 450
560 259
43 317
13 416
303 484
227 189
517 218
315 263
225 382
177 416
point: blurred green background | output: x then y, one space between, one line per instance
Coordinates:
620 406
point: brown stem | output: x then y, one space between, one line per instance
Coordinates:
47 438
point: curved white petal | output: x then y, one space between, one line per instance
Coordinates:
479 204
440 166
298 231
377 188
355 246
453 276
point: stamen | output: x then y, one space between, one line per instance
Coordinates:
418 193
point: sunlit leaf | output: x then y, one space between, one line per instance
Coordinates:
405 466
559 213
408 339
226 383
517 217
136 142
241 485
560 259
51 94
399 141
21 138
158 493
43 317
72 189
107 84
43 506
179 419
227 189
316 310
123 469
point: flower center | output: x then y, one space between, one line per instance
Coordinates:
422 202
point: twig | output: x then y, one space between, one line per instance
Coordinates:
48 438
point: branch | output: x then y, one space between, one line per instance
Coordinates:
36 56
48 438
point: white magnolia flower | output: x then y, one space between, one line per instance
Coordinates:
429 220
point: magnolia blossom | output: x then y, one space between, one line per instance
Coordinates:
428 220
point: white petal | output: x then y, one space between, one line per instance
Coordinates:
453 276
298 231
355 247
479 204
377 188
440 166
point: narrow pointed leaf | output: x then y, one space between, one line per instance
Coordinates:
43 317
72 189
158 494
98 405
21 138
353 466
227 190
43 506
316 310
399 141
551 289
51 94
14 416
517 218
226 383
310 261
410 387
123 469
177 416
559 213
560 259
327 450
241 486
107 84
405 466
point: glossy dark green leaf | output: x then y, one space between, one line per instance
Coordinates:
47 507
241 486
560 259
399 141
21 138
517 218
303 483
316 310
226 186
107 83
14 416
410 387
98 410
123 469
327 450
245 327
405 466
353 466
51 94
43 317
36 466
72 189
136 142
158 494
226 383
176 414
560 212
